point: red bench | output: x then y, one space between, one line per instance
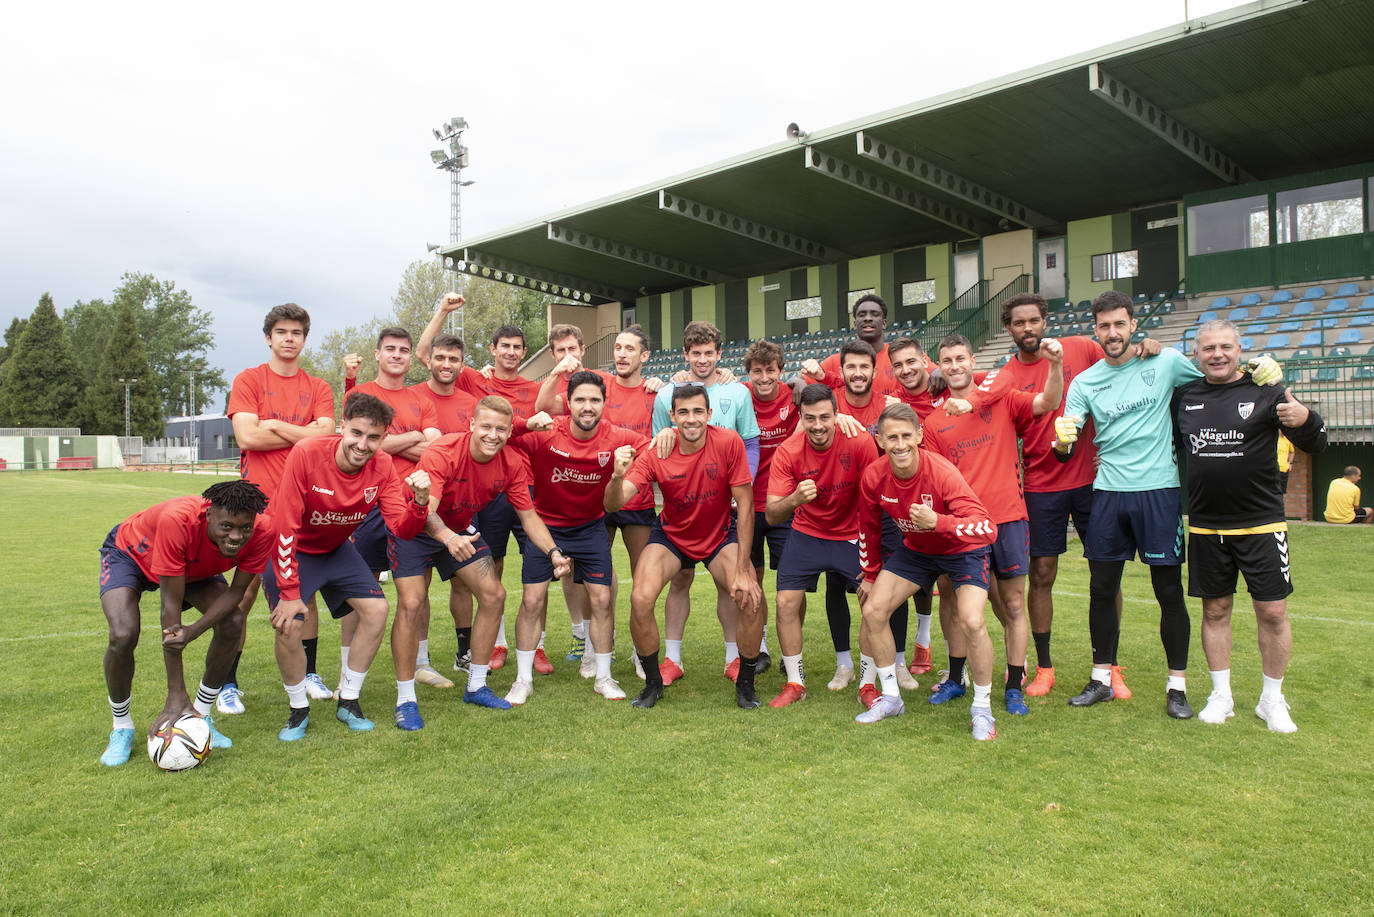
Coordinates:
73 463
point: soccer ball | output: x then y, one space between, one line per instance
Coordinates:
181 744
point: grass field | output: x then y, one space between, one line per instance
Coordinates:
577 805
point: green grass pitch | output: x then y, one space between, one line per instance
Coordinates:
578 805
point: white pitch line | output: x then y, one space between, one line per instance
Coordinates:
1295 617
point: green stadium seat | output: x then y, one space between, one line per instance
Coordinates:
1085 304
1364 372
1137 337
1340 351
1167 309
1303 354
1325 374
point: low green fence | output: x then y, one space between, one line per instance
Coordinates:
1341 389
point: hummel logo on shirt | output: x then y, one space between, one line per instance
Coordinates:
321 490
1193 407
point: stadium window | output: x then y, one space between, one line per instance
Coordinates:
809 307
1228 226
1115 265
917 292
854 297
1320 212
219 442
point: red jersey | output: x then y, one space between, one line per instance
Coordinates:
982 445
962 524
168 539
696 488
1044 472
413 412
300 400
884 378
570 474
453 412
834 514
465 485
777 421
319 506
520 392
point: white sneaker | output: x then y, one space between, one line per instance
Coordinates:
639 667
230 699
905 680
1220 708
609 688
316 689
519 692
1274 712
587 667
428 675
844 674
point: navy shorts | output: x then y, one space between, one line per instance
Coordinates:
775 535
623 517
371 538
807 557
1214 561
967 568
658 536
1011 550
414 557
497 522
586 546
340 575
1049 519
1127 522
118 570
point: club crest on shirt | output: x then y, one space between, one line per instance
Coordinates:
985 414
782 413
497 486
369 494
304 398
602 458
845 459
1246 408
1148 377
725 404
711 470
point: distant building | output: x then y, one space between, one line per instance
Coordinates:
205 437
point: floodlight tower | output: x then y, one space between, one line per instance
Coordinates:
453 161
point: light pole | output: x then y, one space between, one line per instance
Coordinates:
453 161
128 384
191 399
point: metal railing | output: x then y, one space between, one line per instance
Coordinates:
600 354
1341 389
978 323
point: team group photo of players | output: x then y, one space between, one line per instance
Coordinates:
880 481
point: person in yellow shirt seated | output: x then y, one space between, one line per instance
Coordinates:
1343 499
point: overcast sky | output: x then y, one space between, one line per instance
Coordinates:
259 153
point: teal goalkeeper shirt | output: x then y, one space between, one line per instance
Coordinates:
1130 408
732 407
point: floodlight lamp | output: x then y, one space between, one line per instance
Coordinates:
438 134
438 156
458 124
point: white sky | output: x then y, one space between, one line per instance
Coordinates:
256 153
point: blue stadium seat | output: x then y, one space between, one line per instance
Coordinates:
1269 312
1302 308
1256 328
1208 316
1336 305
1315 293
1349 289
1360 321
1311 339
1178 345
1277 341
1350 336
1282 296
1247 343
1328 322
1238 315
1289 327
1189 334
1250 299
1221 302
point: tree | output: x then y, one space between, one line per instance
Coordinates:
124 358
42 385
176 336
325 359
491 304
12 335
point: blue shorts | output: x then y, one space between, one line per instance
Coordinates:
1147 521
775 535
371 539
658 536
1049 519
807 557
119 570
414 557
1011 550
967 568
497 522
623 517
340 575
586 546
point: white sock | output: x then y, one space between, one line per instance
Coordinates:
1177 683
405 691
1273 688
524 665
343 657
868 670
540 645
982 695
923 630
296 696
793 666
350 684
901 659
603 666
763 641
673 650
477 677
422 657
1102 675
731 652
1221 681
579 629
888 675
204 703
123 719
501 634
843 658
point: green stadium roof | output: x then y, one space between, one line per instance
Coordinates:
1258 92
